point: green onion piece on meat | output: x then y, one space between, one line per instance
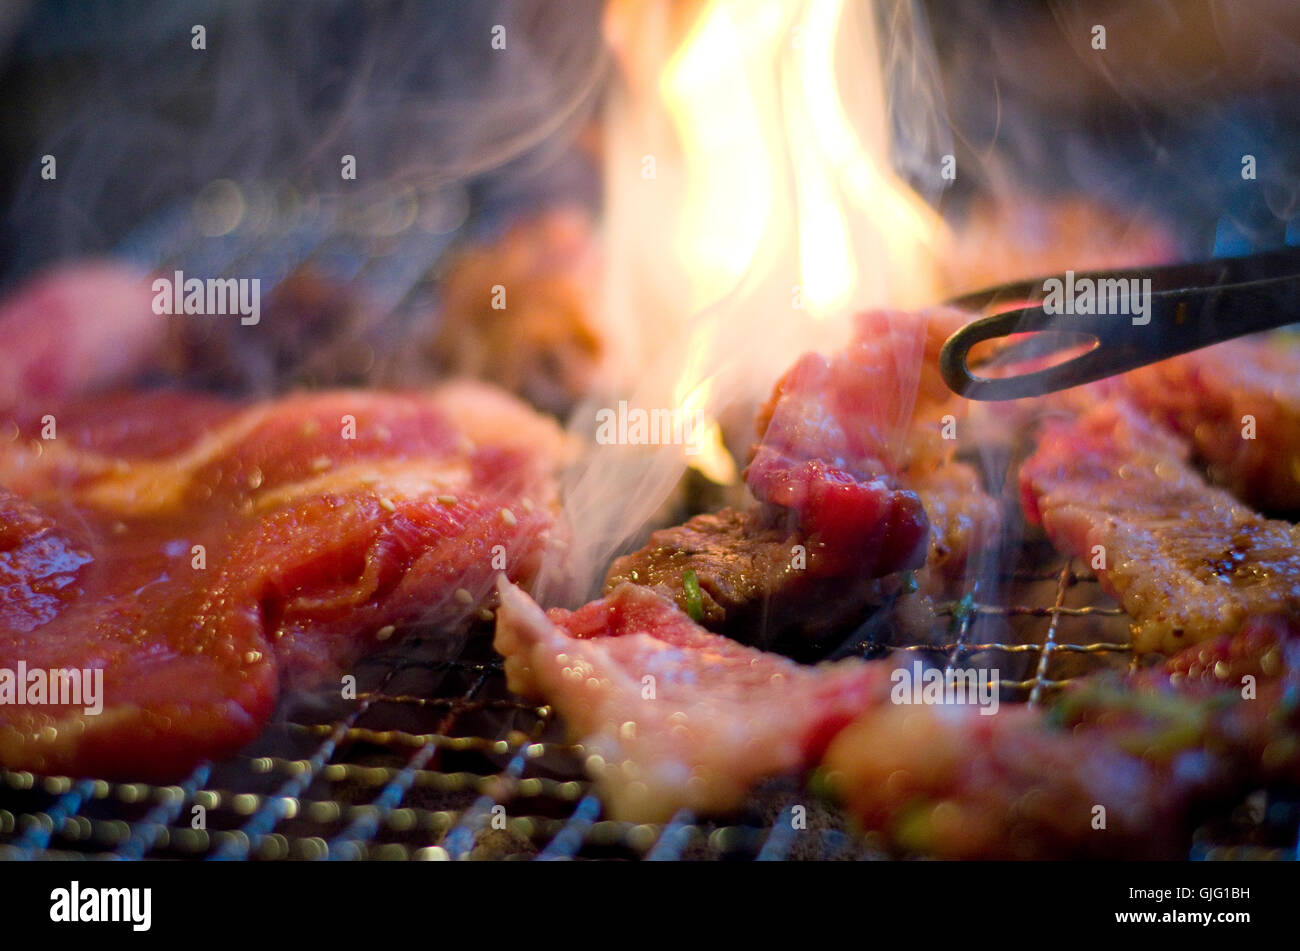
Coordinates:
694 599
962 611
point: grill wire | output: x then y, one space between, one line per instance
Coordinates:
435 759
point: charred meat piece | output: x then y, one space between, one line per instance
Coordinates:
316 330
202 554
740 577
669 715
1188 561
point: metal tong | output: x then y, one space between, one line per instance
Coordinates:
1189 306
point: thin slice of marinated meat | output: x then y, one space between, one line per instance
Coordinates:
1238 403
202 554
1113 770
669 715
1187 561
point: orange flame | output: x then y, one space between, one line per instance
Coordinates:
759 146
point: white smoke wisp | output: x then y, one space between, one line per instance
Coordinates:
427 96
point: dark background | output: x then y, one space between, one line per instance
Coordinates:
140 123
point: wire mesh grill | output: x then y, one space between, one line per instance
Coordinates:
434 759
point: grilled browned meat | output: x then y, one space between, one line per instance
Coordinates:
752 580
1187 561
519 312
1238 404
755 582
856 482
964 519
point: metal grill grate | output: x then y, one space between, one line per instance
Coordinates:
434 748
